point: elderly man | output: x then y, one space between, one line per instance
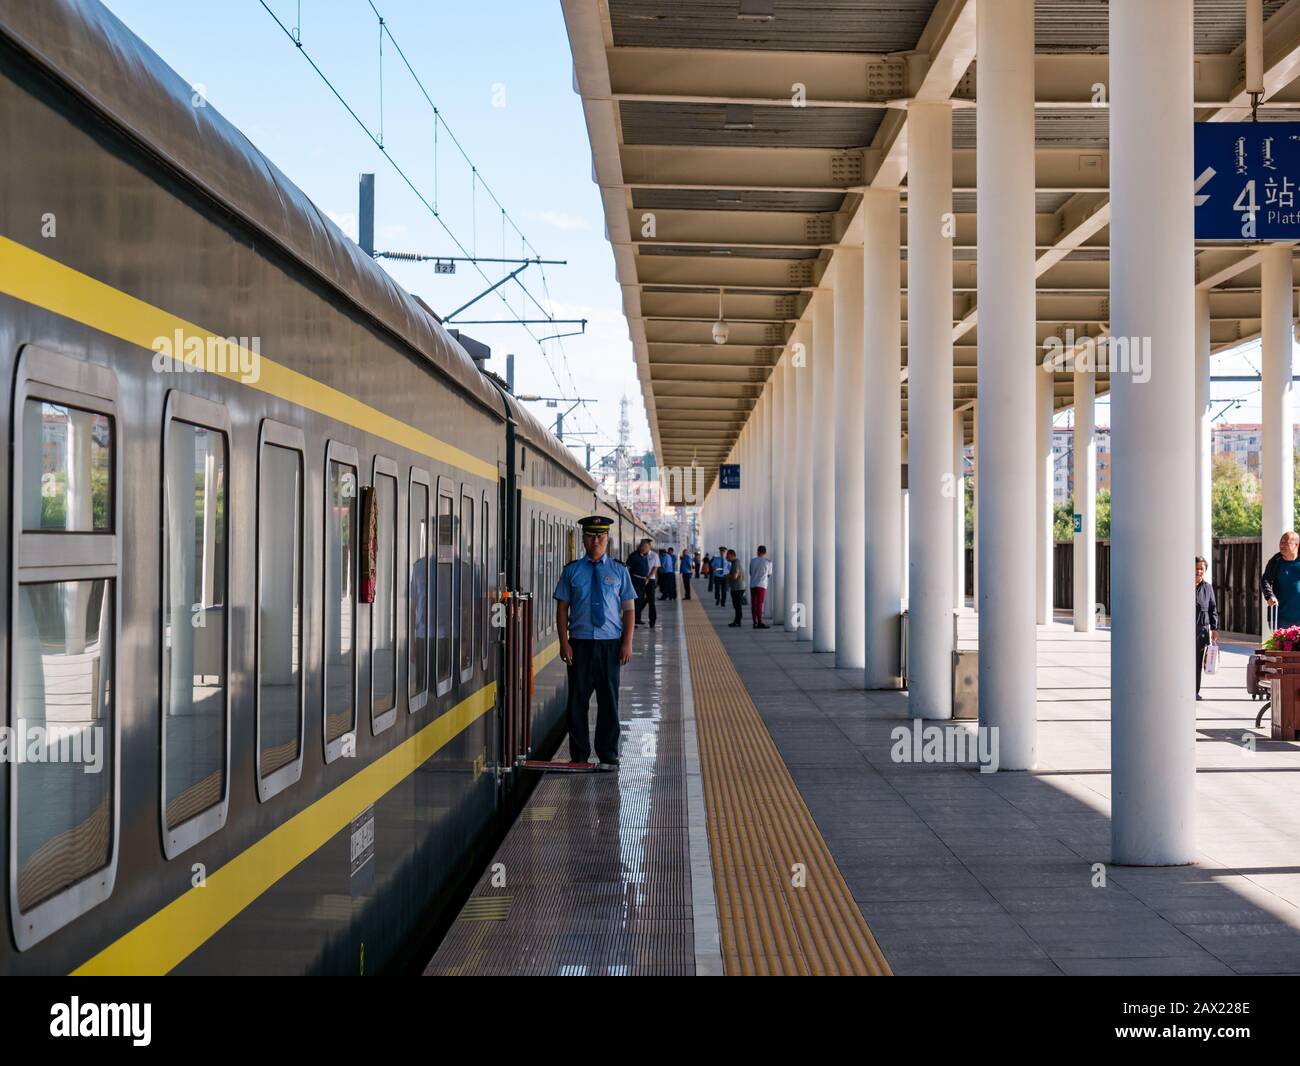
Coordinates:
1281 581
594 602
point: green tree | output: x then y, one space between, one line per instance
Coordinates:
970 511
1234 499
1103 514
1063 522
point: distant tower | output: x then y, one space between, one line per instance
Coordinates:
624 440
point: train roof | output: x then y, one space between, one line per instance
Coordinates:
85 46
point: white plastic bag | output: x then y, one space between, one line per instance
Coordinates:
1211 662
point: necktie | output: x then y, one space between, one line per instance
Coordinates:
597 598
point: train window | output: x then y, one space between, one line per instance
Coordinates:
195 622
448 531
383 609
280 617
62 632
465 582
484 590
417 634
339 699
74 450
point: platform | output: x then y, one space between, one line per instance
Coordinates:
906 867
595 876
959 872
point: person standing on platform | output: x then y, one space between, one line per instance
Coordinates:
1281 581
736 580
594 617
643 565
721 564
664 563
760 569
1207 618
687 573
673 567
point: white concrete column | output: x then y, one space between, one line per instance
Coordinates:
776 450
929 382
1204 433
1004 457
803 375
1153 719
1085 501
822 429
959 510
1276 464
884 535
798 494
1044 488
850 378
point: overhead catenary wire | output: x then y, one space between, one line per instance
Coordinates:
377 139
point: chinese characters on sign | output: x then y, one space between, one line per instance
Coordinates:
1246 176
729 476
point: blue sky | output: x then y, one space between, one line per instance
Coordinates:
501 75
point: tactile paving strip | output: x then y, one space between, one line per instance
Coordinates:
594 877
783 905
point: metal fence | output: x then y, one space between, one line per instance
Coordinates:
1236 564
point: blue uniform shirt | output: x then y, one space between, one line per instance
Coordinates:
688 564
615 590
666 563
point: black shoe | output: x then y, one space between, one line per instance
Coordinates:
607 766
1199 696
762 625
733 625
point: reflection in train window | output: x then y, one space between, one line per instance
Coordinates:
63 698
67 456
279 599
417 671
483 589
465 582
447 531
194 623
383 611
340 658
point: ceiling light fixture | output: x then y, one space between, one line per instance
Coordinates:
757 10
720 328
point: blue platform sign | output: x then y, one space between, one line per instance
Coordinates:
729 476
1247 176
1078 523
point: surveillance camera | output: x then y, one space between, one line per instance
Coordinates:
721 331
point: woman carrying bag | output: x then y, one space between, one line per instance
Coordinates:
1207 626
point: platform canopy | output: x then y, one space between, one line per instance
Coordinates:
733 139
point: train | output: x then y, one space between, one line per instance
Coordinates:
278 619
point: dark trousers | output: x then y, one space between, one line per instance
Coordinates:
686 585
595 668
737 601
719 591
756 597
645 594
1202 642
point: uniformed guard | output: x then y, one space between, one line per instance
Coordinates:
594 602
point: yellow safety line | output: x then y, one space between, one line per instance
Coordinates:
783 905
538 496
34 278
